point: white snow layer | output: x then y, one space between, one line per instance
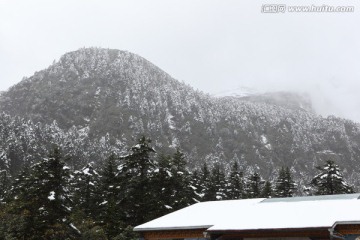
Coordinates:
199 215
86 171
51 196
252 214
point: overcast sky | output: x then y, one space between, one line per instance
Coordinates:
212 45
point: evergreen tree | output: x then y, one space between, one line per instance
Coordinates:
85 185
183 195
195 185
285 186
110 211
217 185
236 183
17 218
4 185
127 234
330 180
254 186
205 183
267 191
42 197
136 173
163 184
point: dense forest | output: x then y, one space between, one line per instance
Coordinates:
95 101
52 200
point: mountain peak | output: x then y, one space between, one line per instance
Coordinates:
81 83
87 62
94 55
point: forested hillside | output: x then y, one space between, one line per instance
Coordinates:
51 200
96 101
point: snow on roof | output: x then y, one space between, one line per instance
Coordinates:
314 198
259 213
199 215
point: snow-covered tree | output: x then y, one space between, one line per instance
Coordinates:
329 180
216 189
183 193
204 183
267 190
109 207
195 184
4 185
85 186
163 184
284 185
254 185
42 195
136 173
236 182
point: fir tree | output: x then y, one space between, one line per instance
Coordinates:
18 216
183 194
163 185
204 184
4 185
254 186
267 191
330 180
43 197
218 184
236 183
136 173
85 185
285 186
127 234
110 212
195 185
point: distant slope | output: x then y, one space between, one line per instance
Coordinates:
290 100
124 95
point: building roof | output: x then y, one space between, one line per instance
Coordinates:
262 214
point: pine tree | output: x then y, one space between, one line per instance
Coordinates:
85 185
330 180
254 186
110 211
285 186
216 190
183 194
236 183
163 185
136 173
43 197
195 185
205 183
20 224
4 185
4 176
127 234
267 191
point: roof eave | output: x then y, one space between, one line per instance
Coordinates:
268 229
139 229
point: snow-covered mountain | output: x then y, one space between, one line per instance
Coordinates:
289 100
238 91
94 101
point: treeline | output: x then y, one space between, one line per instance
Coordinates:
49 200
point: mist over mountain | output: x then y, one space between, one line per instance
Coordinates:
96 101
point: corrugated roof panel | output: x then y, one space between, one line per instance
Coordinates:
314 198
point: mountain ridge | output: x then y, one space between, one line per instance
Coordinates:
107 92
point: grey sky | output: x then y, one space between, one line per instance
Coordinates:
211 45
